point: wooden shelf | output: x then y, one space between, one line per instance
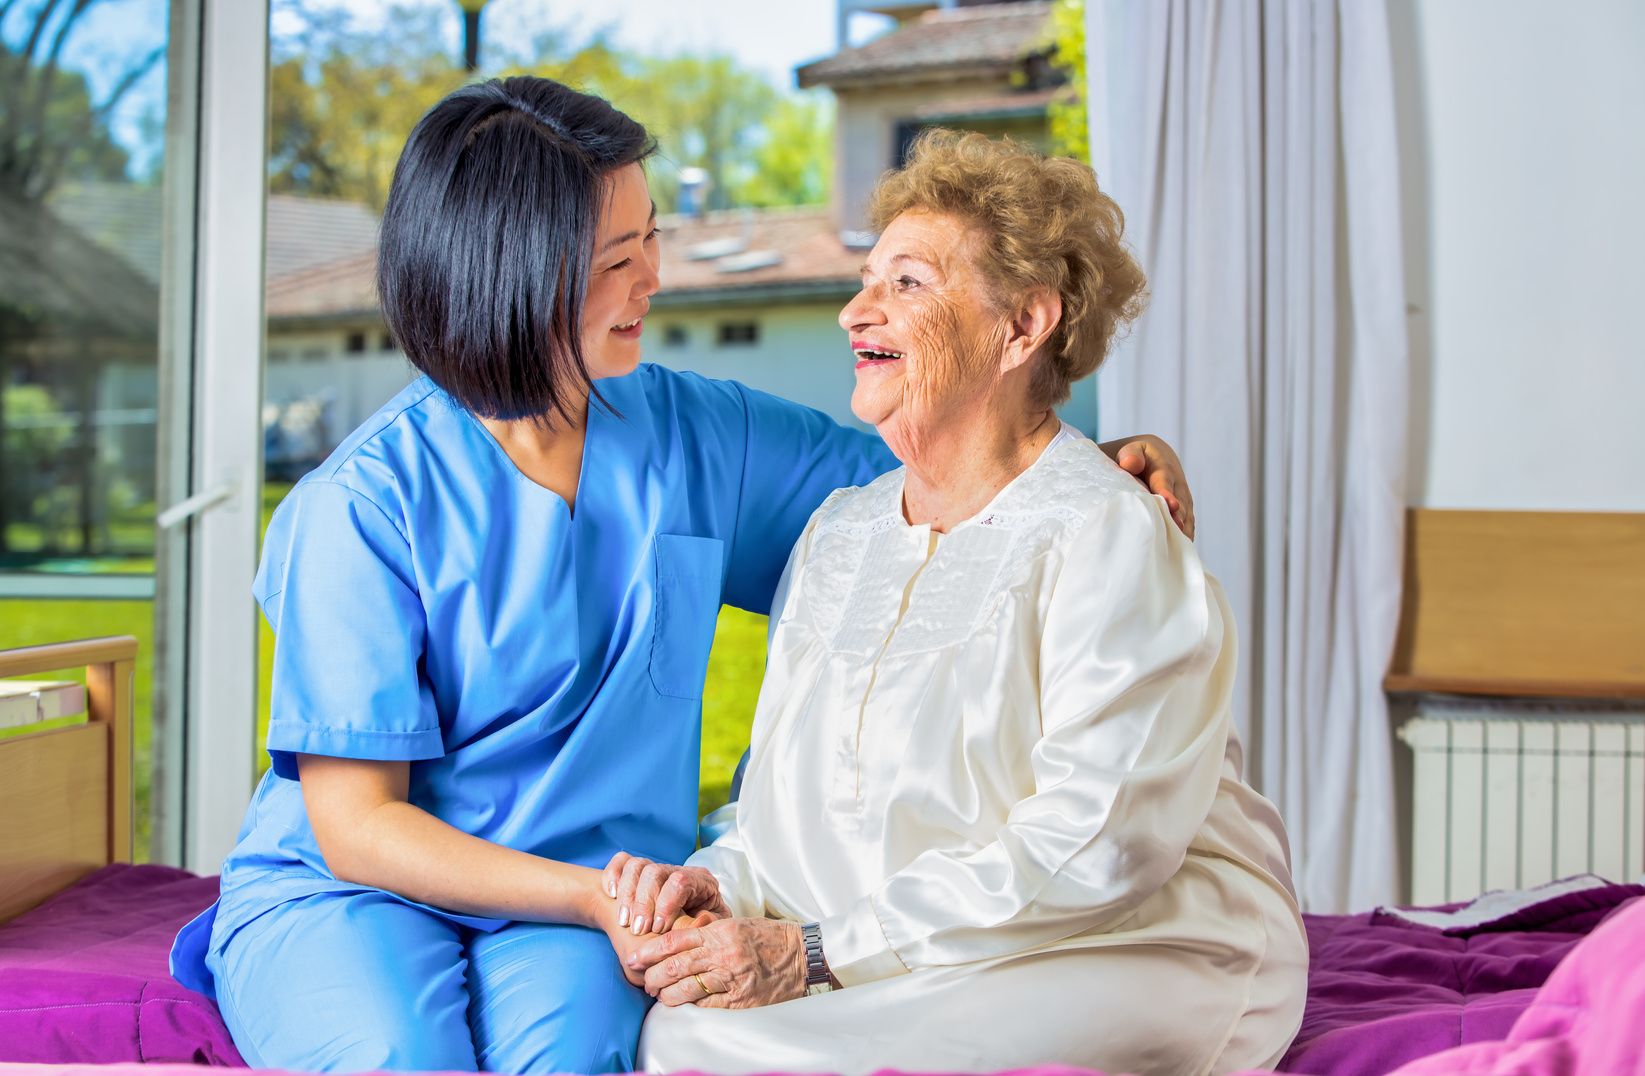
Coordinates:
1547 605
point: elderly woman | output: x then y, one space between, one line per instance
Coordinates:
993 815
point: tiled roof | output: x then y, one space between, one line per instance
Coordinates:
989 36
802 244
307 232
122 217
51 270
345 287
303 233
794 253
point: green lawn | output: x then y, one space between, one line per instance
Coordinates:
735 667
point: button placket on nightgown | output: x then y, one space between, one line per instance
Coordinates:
891 565
944 604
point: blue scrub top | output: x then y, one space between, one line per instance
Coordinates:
542 670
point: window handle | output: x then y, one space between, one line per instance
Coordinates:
196 504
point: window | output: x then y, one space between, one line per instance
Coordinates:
739 333
906 132
356 344
387 343
675 336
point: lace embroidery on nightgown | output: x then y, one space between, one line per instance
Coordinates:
857 541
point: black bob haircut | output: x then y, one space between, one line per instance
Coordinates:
488 235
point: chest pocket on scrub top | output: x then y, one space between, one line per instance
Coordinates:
688 605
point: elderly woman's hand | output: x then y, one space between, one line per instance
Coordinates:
1156 466
652 897
728 964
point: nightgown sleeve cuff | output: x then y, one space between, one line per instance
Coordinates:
856 948
729 865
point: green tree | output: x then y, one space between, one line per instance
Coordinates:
50 130
341 106
343 103
705 112
792 164
1070 128
36 429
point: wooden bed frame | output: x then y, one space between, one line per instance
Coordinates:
66 794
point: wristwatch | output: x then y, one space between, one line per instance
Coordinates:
818 980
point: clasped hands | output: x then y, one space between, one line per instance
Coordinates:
675 937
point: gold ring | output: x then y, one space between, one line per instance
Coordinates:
706 990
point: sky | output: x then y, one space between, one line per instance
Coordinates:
769 36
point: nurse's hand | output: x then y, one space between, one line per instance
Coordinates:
1154 463
651 897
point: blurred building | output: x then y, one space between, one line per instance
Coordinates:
752 295
755 295
978 67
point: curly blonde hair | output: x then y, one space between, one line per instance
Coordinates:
1045 225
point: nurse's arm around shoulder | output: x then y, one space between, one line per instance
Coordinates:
369 834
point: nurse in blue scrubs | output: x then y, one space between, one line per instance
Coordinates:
493 607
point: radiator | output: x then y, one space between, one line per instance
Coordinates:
1505 800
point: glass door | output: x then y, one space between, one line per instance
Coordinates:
83 110
132 161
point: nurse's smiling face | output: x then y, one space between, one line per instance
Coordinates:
622 277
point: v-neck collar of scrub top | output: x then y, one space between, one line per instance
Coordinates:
594 418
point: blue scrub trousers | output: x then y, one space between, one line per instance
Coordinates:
360 981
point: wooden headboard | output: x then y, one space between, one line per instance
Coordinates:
66 794
1523 604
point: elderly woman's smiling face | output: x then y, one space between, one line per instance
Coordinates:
925 328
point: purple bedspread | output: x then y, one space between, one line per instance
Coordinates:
84 980
84 977
1588 1020
1383 992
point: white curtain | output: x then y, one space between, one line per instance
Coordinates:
1251 144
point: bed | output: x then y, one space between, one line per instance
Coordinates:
85 936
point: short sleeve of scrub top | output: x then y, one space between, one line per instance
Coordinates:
351 629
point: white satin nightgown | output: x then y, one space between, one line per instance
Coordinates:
999 767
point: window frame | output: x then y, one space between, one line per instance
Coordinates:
210 428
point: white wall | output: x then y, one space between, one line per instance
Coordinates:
802 353
1523 148
865 133
801 356
355 384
